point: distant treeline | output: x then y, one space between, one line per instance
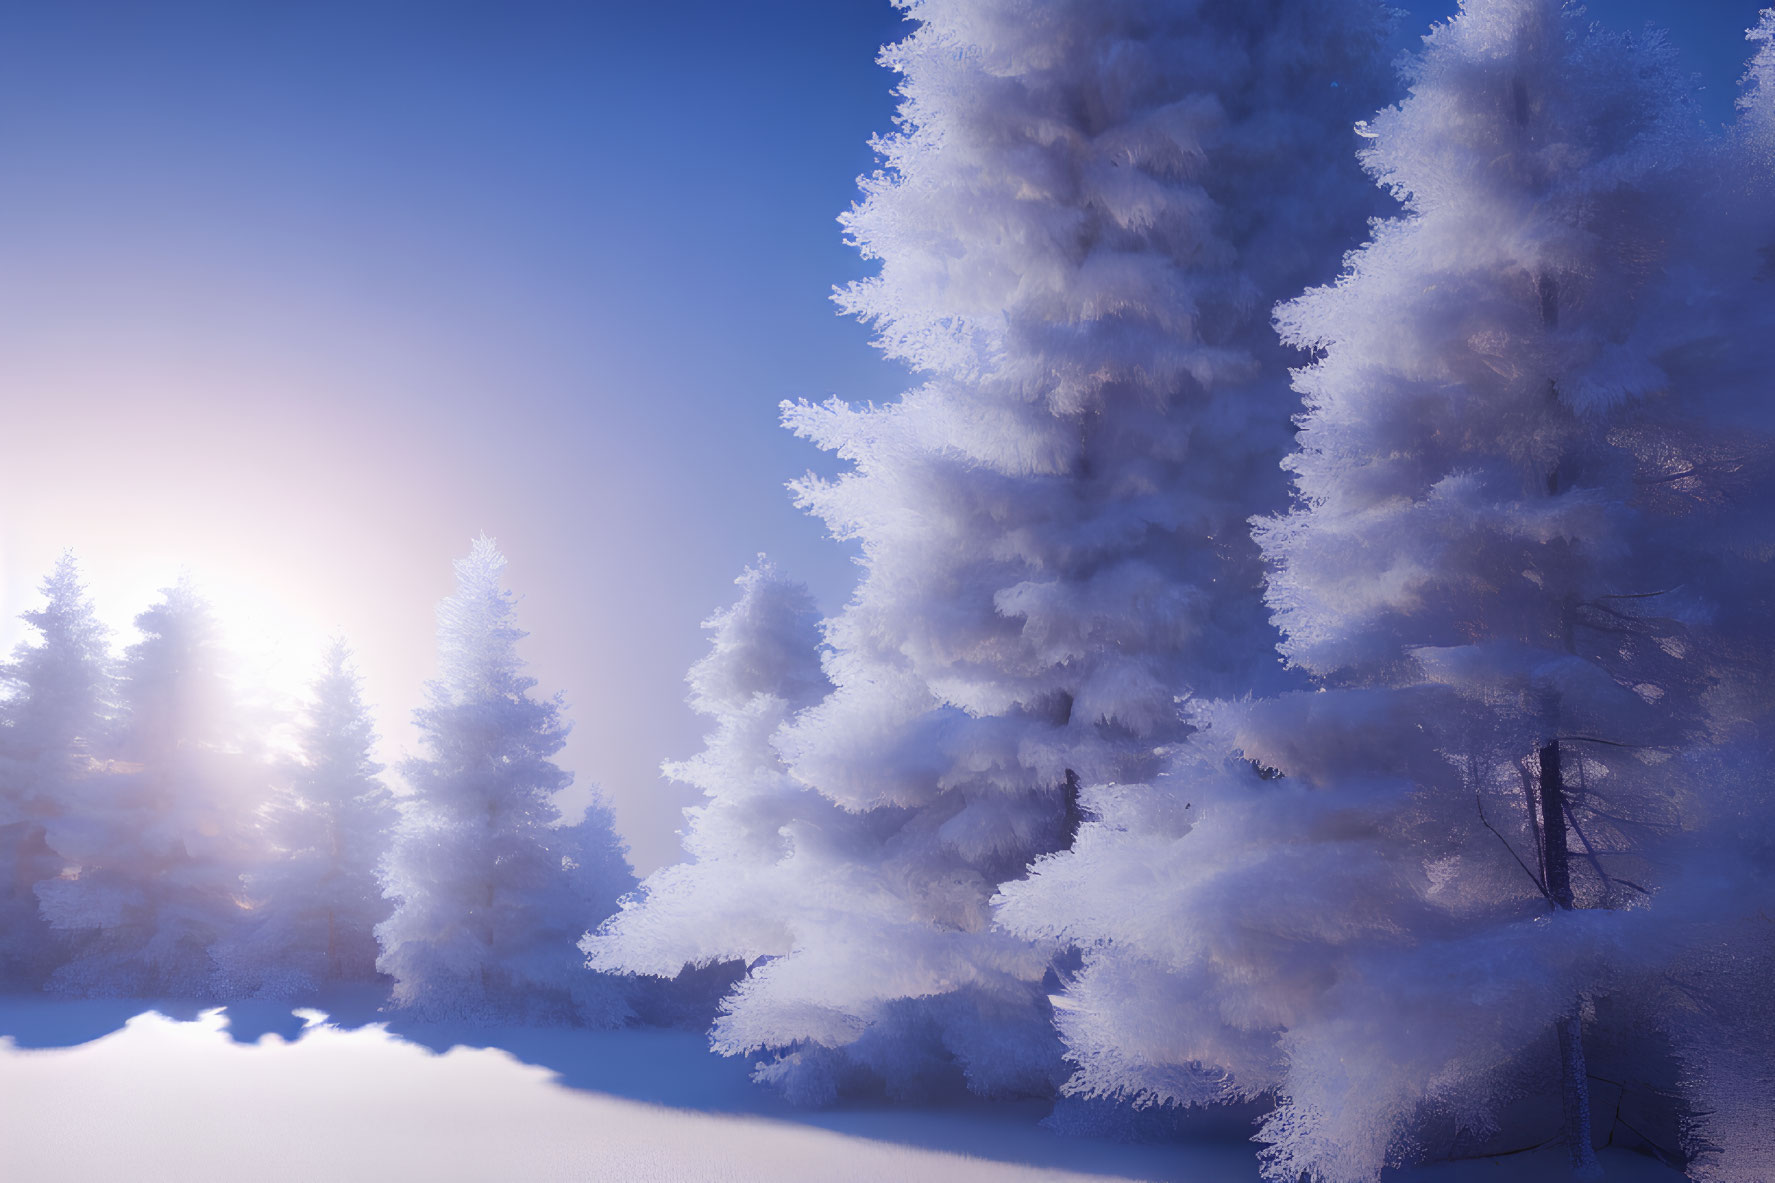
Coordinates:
153 844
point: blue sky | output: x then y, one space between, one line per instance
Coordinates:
302 296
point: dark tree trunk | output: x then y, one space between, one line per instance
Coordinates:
1556 855
1074 816
1574 1076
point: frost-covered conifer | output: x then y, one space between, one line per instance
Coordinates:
1088 209
155 845
597 863
318 899
1392 903
54 720
1756 105
492 894
750 881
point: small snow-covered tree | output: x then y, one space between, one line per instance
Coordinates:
1087 211
768 859
54 721
739 893
155 846
489 888
318 898
1756 103
1393 902
597 862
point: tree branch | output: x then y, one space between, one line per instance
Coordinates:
1589 850
1479 800
1613 743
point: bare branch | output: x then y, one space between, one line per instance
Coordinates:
1668 477
1633 822
1479 800
1589 850
1613 743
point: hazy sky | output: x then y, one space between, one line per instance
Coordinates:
301 296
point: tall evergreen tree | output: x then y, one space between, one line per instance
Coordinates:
1087 210
487 884
1395 900
155 847
318 899
54 720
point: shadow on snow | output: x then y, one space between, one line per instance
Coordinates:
671 1068
674 1068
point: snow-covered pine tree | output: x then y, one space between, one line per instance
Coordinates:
488 886
1088 209
318 898
765 853
54 721
155 846
597 862
1465 845
735 896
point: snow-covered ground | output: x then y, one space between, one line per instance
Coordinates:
96 1091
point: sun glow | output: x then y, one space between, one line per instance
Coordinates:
270 644
275 642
